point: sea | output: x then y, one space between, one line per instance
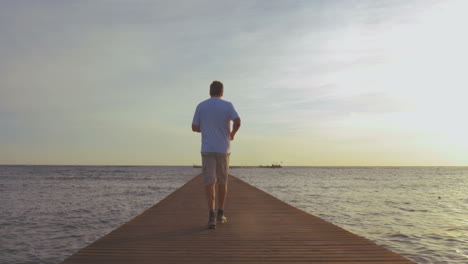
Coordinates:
47 213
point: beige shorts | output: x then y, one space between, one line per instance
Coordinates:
215 167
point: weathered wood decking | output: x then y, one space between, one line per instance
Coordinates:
261 229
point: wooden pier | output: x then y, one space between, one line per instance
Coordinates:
260 229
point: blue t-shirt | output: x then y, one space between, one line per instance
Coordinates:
214 116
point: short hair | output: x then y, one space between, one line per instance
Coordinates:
216 88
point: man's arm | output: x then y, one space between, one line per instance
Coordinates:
196 120
235 127
196 128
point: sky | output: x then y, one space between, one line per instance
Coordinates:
316 83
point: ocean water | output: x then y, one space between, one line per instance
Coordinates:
50 212
418 212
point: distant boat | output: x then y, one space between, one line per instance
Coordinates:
272 166
197 166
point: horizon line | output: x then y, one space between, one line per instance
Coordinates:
246 166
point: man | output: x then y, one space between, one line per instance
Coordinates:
213 119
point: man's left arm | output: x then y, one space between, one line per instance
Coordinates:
235 127
236 120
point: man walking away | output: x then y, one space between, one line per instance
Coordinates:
213 119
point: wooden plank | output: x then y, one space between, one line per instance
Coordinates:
260 229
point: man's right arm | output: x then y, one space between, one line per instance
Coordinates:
235 127
196 121
196 128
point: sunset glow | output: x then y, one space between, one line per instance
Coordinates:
316 83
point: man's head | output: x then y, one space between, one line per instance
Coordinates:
216 89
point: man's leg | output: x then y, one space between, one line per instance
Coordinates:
222 171
210 195
222 191
209 179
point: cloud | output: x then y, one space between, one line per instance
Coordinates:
79 71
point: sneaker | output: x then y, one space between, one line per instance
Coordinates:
212 222
221 219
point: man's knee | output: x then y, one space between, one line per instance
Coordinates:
210 188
